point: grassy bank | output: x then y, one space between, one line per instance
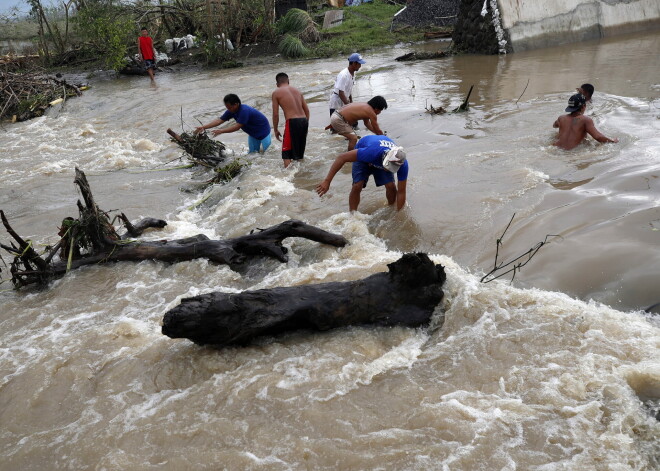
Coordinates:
364 27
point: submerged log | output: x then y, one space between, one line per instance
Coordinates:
92 239
406 295
416 56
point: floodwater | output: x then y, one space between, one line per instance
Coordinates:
557 370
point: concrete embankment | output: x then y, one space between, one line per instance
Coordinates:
498 26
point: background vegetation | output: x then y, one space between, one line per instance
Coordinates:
105 31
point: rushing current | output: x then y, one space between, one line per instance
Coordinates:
558 369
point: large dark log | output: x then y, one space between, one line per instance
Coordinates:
406 295
92 239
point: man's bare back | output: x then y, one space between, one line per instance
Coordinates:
353 112
291 101
572 131
574 127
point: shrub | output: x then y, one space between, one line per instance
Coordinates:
106 31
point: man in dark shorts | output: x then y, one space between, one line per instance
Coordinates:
296 114
373 155
147 52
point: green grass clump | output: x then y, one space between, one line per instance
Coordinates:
227 172
294 22
292 47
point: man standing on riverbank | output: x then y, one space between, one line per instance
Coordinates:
147 52
296 115
342 92
574 127
374 155
251 121
344 120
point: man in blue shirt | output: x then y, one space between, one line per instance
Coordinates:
373 155
250 120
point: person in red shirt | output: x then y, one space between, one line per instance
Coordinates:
147 52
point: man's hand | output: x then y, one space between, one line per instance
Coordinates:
323 187
199 129
277 134
217 132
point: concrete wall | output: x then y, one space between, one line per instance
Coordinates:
532 24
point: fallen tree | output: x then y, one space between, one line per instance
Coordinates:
406 295
92 239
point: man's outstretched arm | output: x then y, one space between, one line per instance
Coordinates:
596 134
350 156
212 124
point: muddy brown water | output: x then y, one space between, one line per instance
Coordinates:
557 370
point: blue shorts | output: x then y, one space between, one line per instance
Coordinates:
149 64
255 144
361 172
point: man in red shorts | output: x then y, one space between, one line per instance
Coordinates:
147 52
296 114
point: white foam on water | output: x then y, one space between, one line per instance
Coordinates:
64 142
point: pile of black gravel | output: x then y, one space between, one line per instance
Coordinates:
420 13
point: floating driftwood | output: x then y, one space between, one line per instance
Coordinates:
440 110
406 295
92 239
201 148
432 110
417 56
204 151
466 103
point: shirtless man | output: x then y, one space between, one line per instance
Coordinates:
343 120
574 127
296 114
586 90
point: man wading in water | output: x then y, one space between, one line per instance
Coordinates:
574 127
296 114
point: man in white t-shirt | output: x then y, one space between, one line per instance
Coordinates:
343 89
